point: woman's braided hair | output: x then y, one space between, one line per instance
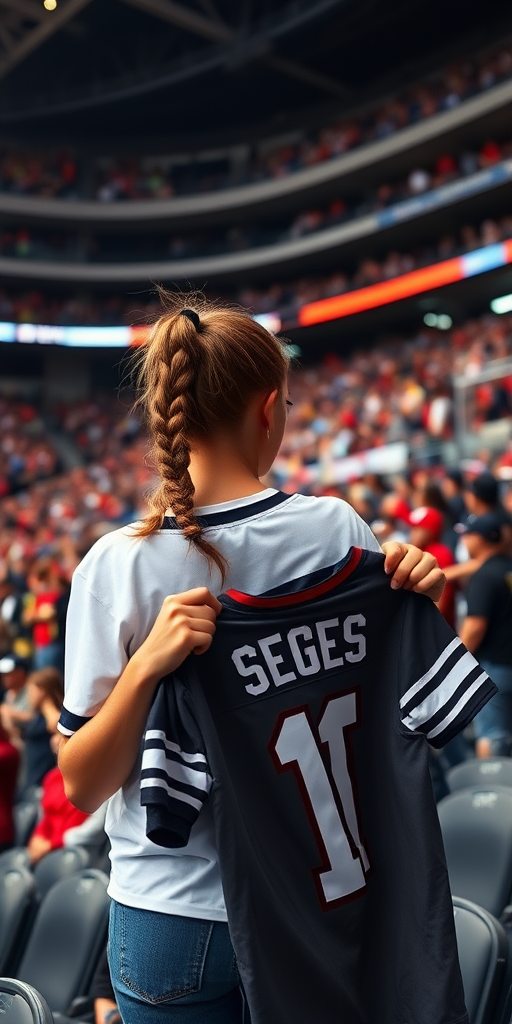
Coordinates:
201 368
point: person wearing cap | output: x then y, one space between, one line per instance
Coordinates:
482 496
427 525
15 708
487 629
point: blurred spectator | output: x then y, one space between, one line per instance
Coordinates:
452 488
486 630
57 813
47 587
427 525
44 688
15 708
9 764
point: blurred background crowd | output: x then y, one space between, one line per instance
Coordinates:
60 174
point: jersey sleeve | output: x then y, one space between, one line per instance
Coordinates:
175 780
96 654
360 534
441 685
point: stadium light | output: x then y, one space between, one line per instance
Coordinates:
502 305
442 321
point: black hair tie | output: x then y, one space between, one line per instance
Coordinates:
191 315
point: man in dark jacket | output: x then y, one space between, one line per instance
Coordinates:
487 629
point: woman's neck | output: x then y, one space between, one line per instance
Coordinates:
220 474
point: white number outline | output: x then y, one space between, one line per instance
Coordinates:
357 845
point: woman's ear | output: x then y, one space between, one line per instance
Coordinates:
268 409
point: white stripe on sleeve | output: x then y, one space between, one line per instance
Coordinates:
442 693
153 757
159 734
452 715
174 793
416 687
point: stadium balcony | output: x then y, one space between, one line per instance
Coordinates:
487 111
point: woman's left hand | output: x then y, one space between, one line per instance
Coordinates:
413 569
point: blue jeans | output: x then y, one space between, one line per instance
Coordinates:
173 969
494 721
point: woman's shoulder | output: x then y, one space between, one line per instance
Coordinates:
111 547
327 506
331 517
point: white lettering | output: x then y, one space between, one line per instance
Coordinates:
273 660
250 670
355 638
326 645
309 652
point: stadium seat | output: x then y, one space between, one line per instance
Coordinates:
67 937
494 771
17 857
477 833
484 963
18 901
22 1004
59 864
25 817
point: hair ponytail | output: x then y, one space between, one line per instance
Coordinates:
198 372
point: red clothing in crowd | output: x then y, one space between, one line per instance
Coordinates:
45 632
58 813
445 558
9 764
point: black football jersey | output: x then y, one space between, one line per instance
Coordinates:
306 726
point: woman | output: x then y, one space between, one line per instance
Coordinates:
215 390
45 690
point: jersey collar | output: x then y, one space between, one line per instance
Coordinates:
301 596
233 511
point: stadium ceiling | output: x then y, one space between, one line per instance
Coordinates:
137 70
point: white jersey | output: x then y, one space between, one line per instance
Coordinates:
267 538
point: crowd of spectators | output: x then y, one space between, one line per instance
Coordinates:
285 299
59 174
344 407
27 453
398 391
25 243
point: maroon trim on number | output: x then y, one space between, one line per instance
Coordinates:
293 766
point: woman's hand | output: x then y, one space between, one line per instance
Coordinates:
97 760
185 624
413 569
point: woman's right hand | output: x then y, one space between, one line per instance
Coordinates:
185 624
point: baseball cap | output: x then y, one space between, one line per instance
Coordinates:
428 518
485 487
487 526
10 662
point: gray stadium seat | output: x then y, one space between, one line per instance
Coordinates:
59 864
18 901
484 962
15 858
66 939
477 833
492 771
22 1004
25 816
